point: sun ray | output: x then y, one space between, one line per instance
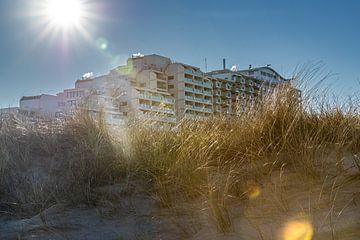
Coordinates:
62 19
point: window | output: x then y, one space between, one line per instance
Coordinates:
171 78
161 85
142 85
171 86
59 114
72 103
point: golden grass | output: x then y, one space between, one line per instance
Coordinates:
219 162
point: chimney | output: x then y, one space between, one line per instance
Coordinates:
224 63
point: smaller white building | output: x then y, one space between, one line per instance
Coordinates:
43 105
266 74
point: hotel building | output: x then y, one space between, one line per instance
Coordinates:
157 89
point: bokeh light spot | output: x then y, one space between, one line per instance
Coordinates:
253 191
102 44
298 230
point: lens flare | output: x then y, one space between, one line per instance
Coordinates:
102 43
63 20
253 191
298 230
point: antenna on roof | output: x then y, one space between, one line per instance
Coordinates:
206 65
250 66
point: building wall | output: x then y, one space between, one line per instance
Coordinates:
44 105
155 87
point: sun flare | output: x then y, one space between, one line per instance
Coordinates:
64 13
63 20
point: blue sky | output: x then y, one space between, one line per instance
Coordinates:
283 33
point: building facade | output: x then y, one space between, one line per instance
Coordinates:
155 88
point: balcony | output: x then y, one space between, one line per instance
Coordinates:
189 106
198 73
145 106
155 108
188 71
163 110
189 80
168 100
208 84
198 82
198 90
203 109
208 93
207 101
189 89
156 98
189 97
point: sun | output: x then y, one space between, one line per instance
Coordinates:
64 13
63 20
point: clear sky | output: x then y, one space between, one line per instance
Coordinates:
283 33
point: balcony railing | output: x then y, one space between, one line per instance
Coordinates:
202 109
198 90
189 89
189 80
145 106
198 82
199 99
188 71
208 93
154 108
208 84
157 98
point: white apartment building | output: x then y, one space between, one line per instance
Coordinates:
264 74
44 105
157 89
